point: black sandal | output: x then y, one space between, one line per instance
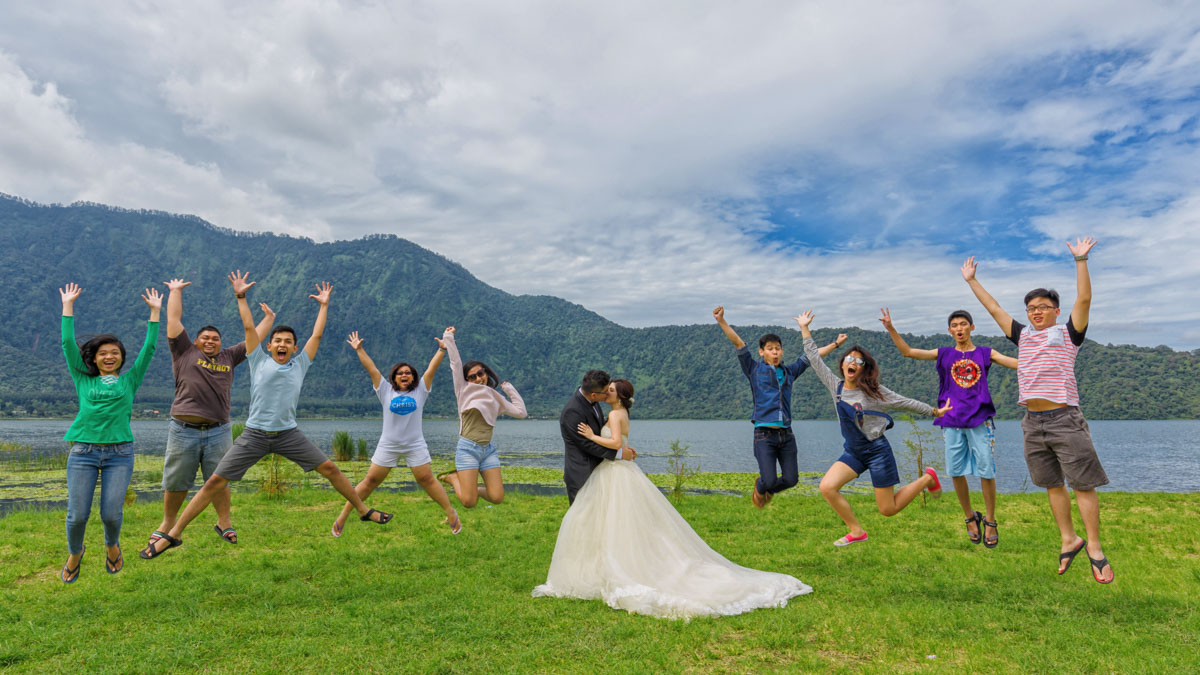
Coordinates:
383 517
111 566
977 535
1069 556
991 542
73 573
228 534
151 552
1098 568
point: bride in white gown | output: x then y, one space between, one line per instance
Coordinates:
623 542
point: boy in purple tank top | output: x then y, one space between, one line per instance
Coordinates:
967 428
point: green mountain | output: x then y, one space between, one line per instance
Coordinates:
399 296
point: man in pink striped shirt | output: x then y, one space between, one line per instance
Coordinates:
1058 444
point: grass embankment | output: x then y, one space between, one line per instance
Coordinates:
410 597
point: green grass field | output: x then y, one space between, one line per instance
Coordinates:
410 597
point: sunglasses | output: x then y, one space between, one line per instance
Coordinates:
477 375
854 359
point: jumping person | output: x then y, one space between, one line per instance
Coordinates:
771 388
479 404
101 440
967 429
275 383
861 401
403 397
200 433
1058 444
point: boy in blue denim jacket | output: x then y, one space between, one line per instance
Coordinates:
771 386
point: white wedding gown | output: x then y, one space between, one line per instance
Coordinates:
623 542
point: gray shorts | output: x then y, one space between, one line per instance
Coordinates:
254 444
1058 444
190 449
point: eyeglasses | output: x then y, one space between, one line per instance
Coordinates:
480 374
854 359
1039 308
405 372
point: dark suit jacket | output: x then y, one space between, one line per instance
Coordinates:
582 455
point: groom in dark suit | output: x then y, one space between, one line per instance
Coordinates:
583 456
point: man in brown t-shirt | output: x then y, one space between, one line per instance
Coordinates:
200 431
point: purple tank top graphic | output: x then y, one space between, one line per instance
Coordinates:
962 380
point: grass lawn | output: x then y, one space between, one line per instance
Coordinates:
410 597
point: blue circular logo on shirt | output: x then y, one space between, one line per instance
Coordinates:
403 405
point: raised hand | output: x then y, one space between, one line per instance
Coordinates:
1082 245
266 310
69 293
323 290
238 281
177 284
719 313
805 319
968 269
939 412
441 343
886 318
354 341
450 330
153 298
840 339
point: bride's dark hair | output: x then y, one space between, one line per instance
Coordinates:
624 392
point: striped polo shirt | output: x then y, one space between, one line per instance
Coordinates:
1046 362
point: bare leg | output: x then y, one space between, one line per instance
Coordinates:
342 484
375 476
493 486
172 500
890 503
424 476
212 486
1089 512
221 503
1060 508
988 485
963 491
466 487
838 475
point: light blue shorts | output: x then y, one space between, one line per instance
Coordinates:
969 450
471 455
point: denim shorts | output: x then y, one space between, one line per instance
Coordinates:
875 457
471 455
190 449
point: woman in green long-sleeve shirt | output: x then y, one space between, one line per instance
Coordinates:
101 440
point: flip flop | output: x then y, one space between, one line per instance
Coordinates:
150 552
1069 556
73 573
975 537
1098 566
455 525
111 566
228 534
383 517
442 477
335 530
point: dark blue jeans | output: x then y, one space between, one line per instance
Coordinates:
112 465
775 445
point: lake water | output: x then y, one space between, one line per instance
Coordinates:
1139 456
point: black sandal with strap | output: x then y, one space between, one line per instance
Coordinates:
977 535
1069 556
383 517
991 542
1098 568
151 552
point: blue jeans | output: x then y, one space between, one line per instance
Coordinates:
189 449
113 465
775 445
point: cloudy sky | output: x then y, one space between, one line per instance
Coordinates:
652 160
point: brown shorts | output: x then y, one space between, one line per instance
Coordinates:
254 444
1057 444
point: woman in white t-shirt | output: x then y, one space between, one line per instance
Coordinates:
403 398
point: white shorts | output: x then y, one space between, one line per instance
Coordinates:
389 455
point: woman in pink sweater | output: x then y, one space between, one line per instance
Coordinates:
479 404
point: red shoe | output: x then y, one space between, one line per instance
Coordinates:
936 488
850 539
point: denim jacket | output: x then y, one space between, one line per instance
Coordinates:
772 403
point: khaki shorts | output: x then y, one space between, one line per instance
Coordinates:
1058 444
254 444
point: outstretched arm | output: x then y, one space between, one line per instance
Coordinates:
263 329
70 347
719 315
825 351
1003 318
314 341
433 365
1083 283
175 306
138 371
905 350
240 286
364 359
153 298
1002 360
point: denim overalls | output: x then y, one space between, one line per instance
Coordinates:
862 453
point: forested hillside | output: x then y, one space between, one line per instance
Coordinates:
399 296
